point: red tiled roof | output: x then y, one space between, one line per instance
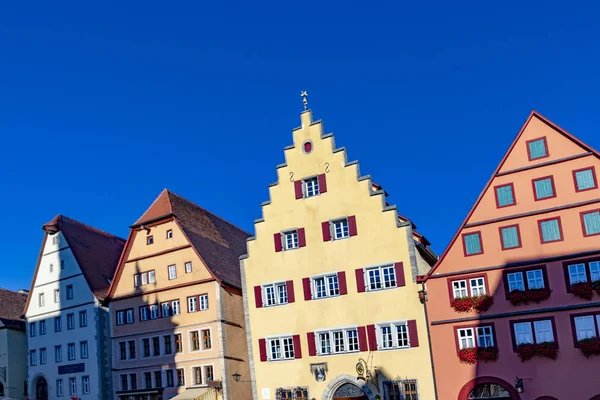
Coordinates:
11 308
218 242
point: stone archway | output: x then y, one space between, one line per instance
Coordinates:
341 383
488 387
39 390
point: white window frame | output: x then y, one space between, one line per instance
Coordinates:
175 307
329 333
293 242
310 187
144 313
121 317
380 271
394 330
43 356
42 299
203 302
32 358
43 327
534 329
458 289
517 279
192 304
188 267
587 332
58 354
581 267
170 234
479 288
56 295
279 289
84 349
72 386
71 356
282 342
83 322
532 276
129 316
172 269
85 384
327 280
154 311
344 228
70 321
466 338
152 276
58 324
165 309
59 388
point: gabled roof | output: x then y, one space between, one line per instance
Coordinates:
216 241
96 252
11 308
534 114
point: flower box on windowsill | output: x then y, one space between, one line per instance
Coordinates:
530 350
517 297
583 290
473 354
589 347
596 286
479 303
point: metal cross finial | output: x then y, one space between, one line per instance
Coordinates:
304 96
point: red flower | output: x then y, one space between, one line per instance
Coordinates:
590 347
583 290
596 286
479 303
517 297
529 350
462 304
471 355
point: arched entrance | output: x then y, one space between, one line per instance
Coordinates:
1 389
41 389
348 387
349 391
488 387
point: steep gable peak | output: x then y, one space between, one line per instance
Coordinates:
160 207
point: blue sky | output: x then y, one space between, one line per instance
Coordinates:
104 104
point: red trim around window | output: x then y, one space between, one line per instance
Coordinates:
514 197
573 328
474 326
542 241
524 272
533 181
478 233
581 214
518 236
593 169
586 262
511 323
468 279
545 146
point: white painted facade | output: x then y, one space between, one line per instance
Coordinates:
58 270
13 363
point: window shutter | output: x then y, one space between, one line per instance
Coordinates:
277 240
297 348
326 231
306 286
289 285
322 184
360 280
413 337
262 345
301 237
352 225
258 296
372 337
312 348
399 267
342 282
298 189
362 338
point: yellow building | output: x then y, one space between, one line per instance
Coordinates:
331 302
176 306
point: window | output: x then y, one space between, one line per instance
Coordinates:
393 336
57 354
344 341
585 326
383 277
153 311
401 390
175 308
59 388
168 348
341 230
172 272
32 329
143 313
275 294
537 148
208 373
69 292
510 237
192 304
526 279
311 187
194 340
325 286
156 346
505 195
543 188
585 179
178 343
149 239
158 379
41 299
122 350
550 230
477 286
586 271
290 240
170 378
472 243
480 336
131 345
57 295
72 386
42 327
70 321
165 309
133 381
120 317
538 331
146 346
32 357
151 277
144 278
203 302
57 324
83 318
51 267
281 349
180 377
129 316
298 393
71 351
470 286
170 234
206 341
188 267
43 356
85 384
148 380
591 223
124 381
459 289
83 349
197 371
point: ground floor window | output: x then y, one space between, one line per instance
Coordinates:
299 393
401 390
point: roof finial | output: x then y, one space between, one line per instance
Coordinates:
304 96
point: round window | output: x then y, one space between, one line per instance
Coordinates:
307 147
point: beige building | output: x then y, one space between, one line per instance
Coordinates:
13 345
176 306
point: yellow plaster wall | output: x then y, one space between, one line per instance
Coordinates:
379 240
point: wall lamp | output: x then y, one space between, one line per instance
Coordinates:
237 377
519 385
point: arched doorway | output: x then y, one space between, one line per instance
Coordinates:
488 387
41 389
1 390
349 391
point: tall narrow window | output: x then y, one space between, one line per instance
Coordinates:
591 223
42 327
175 307
178 343
167 339
71 351
577 273
585 179
537 148
72 386
472 243
203 302
505 195
58 354
543 188
510 237
69 292
550 230
156 346
131 345
70 321
83 349
172 272
85 384
83 318
170 234
188 267
42 300
57 295
59 388
206 340
195 340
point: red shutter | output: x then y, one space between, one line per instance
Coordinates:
372 337
326 231
297 348
277 240
258 296
322 184
306 286
312 349
362 338
399 267
360 280
413 337
289 285
262 345
352 225
342 282
298 189
301 237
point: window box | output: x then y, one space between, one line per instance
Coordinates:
478 303
589 347
470 292
517 297
526 285
582 277
527 351
474 354
583 290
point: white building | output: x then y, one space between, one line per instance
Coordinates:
67 323
13 345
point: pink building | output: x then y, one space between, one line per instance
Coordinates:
513 303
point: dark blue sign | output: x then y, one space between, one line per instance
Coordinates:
71 369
